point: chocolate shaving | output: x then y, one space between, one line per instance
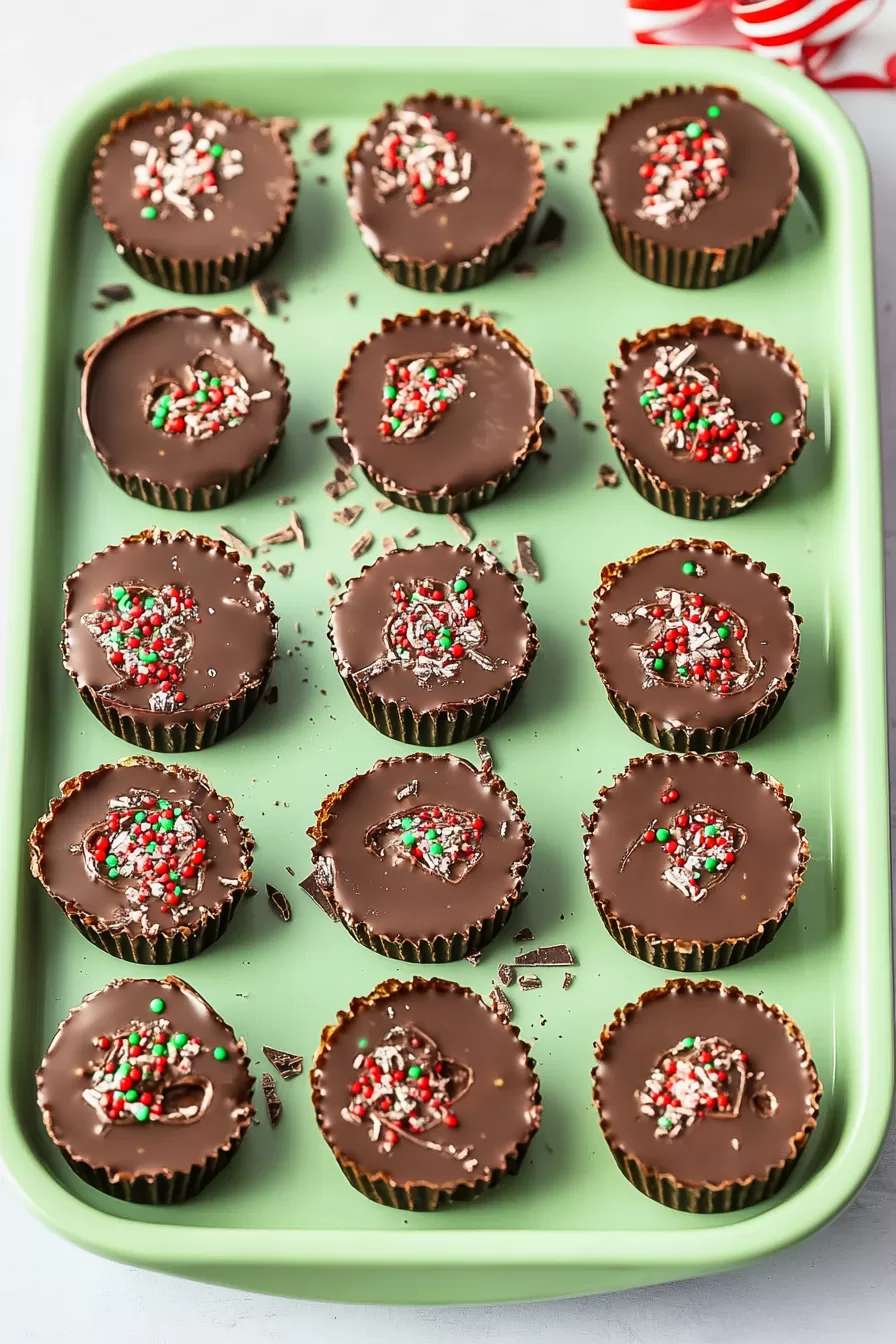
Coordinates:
570 144
351 300
116 293
321 181
606 476
360 545
552 230
279 902
525 559
285 571
506 974
291 871
557 955
287 1064
286 499
267 567
348 514
341 451
312 888
570 401
332 579
242 548
283 125
590 425
523 268
560 165
530 982
486 759
500 1002
100 305
567 980
318 426
271 695
321 142
381 505
474 958
389 545
271 1100
548 432
412 532
466 308
341 483
278 538
265 297
462 526
80 360
408 790
297 530
525 935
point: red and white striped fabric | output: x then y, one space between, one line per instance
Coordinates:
807 34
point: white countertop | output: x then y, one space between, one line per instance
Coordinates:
839 1285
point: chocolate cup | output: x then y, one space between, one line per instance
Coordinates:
454 944
187 499
185 734
164 1187
166 947
678 499
688 954
188 275
435 277
727 1196
679 738
418 1196
444 727
687 267
459 501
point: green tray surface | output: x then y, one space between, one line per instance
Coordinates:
282 1218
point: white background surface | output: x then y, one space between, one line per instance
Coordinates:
839 1285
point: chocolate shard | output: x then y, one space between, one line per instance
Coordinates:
486 759
236 543
557 955
285 499
462 526
342 482
412 532
271 695
312 888
271 1100
286 570
530 982
606 476
264 297
80 360
297 530
321 142
116 293
351 300
474 958
525 559
348 514
506 974
590 426
570 144
560 165
279 902
500 1002
548 432
552 230
525 935
381 505
318 426
389 545
570 400
567 980
360 545
341 451
523 268
283 125
332 580
285 1062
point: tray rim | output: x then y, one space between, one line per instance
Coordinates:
676 1252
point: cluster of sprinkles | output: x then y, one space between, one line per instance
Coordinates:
701 1076
184 171
417 392
154 847
426 163
206 404
138 1065
696 419
702 844
441 840
404 1087
686 167
142 635
692 642
433 628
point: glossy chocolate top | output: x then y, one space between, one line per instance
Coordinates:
476 437
157 354
218 621
255 174
491 1089
767 407
762 168
204 1102
755 1131
390 874
504 184
710 887
99 848
761 633
496 643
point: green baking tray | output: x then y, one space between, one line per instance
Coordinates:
282 1219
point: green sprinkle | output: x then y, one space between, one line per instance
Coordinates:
165 401
134 1038
408 839
460 585
682 671
435 848
665 1123
445 641
216 151
406 823
118 593
693 129
647 397
430 373
431 834
710 830
139 816
414 1071
712 111
219 1052
703 423
662 835
658 664
181 1039
776 418
215 382
178 891
688 1042
141 1113
689 567
158 422
166 824
363 1043
723 632
111 861
157 1006
389 393
148 602
711 864
159 1049
677 415
131 1095
149 212
178 811
201 395
394 423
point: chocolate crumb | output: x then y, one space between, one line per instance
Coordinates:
548 432
318 426
116 293
530 982
242 548
312 888
341 451
552 230
285 1062
462 526
341 484
100 305
279 902
283 125
485 756
348 514
286 499
570 144
557 955
360 545
466 308
408 790
500 1002
381 505
412 532
570 401
271 695
567 980
474 958
351 300
332 579
545 145
321 181
506 974
525 935
265 297
80 360
606 476
321 142
389 545
524 557
544 455
590 425
560 165
285 570
291 871
271 1100
523 268
267 567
